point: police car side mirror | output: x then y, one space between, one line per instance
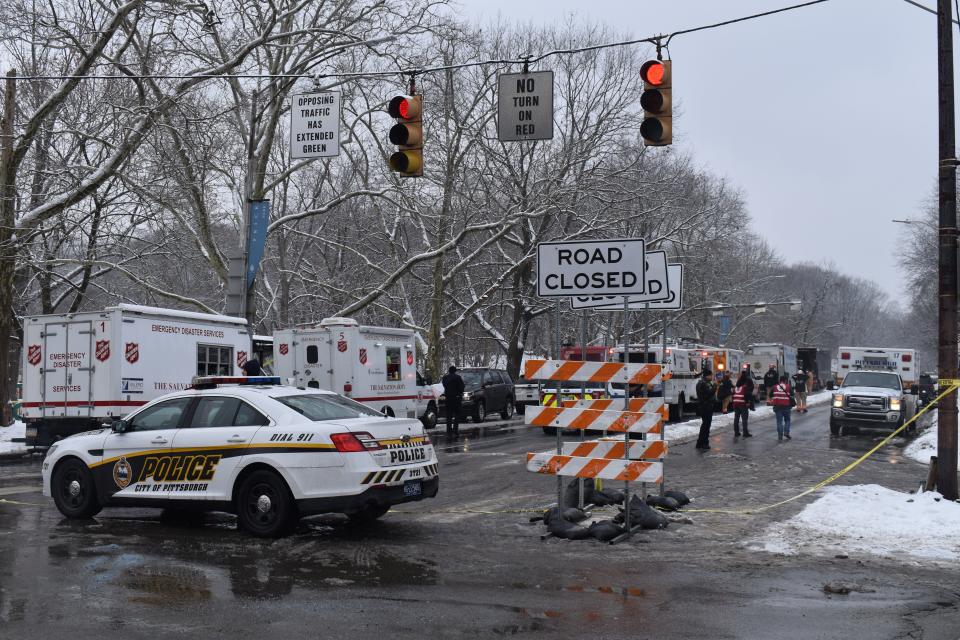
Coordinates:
121 426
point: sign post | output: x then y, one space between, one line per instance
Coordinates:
315 125
525 106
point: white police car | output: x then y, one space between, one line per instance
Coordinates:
249 446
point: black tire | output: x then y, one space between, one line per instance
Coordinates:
479 412
73 489
507 412
269 519
675 411
429 418
521 408
369 513
834 428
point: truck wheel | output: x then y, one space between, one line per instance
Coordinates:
369 513
520 408
429 418
479 412
834 428
507 412
264 505
675 411
73 490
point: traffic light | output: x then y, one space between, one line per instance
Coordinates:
407 134
657 126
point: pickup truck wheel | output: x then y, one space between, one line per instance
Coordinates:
507 412
834 428
73 490
429 417
264 505
479 412
520 408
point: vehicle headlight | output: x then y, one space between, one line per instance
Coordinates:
837 401
895 404
467 395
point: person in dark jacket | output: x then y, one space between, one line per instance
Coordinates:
453 395
706 396
725 391
770 379
252 368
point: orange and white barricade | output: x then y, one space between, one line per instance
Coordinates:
583 371
603 468
646 405
615 448
610 421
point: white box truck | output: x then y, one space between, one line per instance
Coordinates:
83 369
898 360
372 365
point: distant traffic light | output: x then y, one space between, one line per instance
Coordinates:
407 134
657 126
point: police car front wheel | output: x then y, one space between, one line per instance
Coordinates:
73 490
264 505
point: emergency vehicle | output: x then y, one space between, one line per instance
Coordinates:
901 361
270 454
373 365
83 369
760 356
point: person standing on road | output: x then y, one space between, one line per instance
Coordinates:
706 396
770 381
800 390
725 391
453 388
742 397
781 406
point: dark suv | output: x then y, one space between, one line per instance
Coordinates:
486 391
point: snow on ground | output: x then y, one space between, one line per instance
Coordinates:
691 428
870 519
16 430
925 444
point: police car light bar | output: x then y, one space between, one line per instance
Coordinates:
213 381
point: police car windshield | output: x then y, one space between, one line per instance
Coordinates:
872 379
319 407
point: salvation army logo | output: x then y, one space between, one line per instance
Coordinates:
122 473
284 348
409 357
103 350
33 354
131 352
342 346
241 358
363 356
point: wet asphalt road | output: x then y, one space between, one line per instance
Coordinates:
465 565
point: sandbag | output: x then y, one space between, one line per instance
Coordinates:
605 530
567 530
571 495
569 515
644 516
663 502
604 497
679 496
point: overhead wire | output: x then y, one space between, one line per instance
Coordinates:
415 71
934 11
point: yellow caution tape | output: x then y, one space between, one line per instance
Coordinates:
948 382
838 474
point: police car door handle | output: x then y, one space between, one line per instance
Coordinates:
159 440
236 438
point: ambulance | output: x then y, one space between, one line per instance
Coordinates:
375 366
901 361
83 369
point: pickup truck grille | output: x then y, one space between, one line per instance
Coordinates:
865 403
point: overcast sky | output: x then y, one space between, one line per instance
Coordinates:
841 134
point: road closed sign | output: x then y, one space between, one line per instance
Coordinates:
658 287
525 106
315 125
595 267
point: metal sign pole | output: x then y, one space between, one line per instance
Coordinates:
626 407
583 390
663 385
557 400
646 387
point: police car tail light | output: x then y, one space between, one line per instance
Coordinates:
355 442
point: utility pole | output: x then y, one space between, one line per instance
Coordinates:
947 343
8 205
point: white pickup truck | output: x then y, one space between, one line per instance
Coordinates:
525 393
871 399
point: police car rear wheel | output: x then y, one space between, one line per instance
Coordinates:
73 490
264 505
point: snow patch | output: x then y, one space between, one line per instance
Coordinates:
691 428
16 430
870 519
925 444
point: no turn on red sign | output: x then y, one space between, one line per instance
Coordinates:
593 267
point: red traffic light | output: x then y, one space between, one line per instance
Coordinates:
654 72
404 107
